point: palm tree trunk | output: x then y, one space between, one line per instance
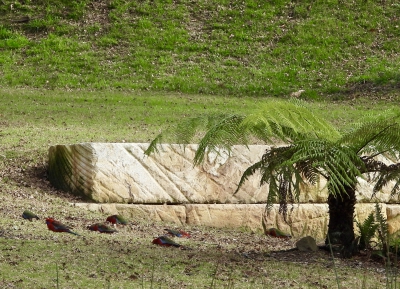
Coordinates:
341 218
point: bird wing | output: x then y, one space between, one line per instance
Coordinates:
166 240
60 226
121 220
105 229
173 233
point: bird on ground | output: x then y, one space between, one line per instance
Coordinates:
102 228
178 233
274 232
28 215
57 226
165 241
117 219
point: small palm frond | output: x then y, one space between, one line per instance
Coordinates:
284 181
387 174
153 146
378 135
288 121
342 170
367 231
309 171
338 164
383 230
188 130
221 135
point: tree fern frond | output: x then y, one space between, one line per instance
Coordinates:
396 188
153 146
339 164
387 174
339 179
382 228
186 130
380 134
309 171
221 131
221 135
273 194
289 121
367 231
247 173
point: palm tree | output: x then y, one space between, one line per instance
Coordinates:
305 148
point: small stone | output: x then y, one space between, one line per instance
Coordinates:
307 244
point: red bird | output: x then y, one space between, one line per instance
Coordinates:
178 233
56 226
165 241
102 228
117 219
274 232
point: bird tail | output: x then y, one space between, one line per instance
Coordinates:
185 248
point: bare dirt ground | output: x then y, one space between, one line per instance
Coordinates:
25 185
31 181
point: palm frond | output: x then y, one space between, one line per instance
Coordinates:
221 135
378 135
283 181
367 231
289 121
387 174
191 129
316 157
383 231
153 146
248 173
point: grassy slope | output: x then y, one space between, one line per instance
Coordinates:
247 48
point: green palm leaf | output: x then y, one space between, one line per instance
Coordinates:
288 121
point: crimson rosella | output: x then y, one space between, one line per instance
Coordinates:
274 232
56 226
28 215
178 233
165 241
117 219
102 228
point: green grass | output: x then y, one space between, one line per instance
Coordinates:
252 48
33 120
